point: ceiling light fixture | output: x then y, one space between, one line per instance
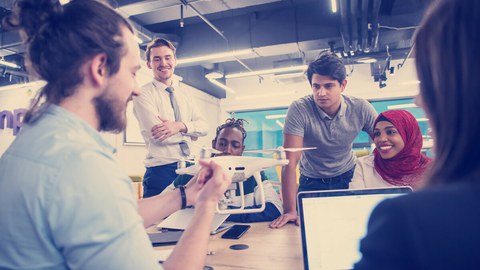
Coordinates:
410 82
289 75
215 74
422 119
221 85
366 60
9 64
138 40
266 71
182 22
215 56
334 5
264 95
275 116
279 123
402 106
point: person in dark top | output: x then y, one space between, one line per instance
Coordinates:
438 227
229 139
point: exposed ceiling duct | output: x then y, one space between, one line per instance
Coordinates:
273 30
359 25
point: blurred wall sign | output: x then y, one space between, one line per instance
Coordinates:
12 119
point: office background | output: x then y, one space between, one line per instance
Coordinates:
248 104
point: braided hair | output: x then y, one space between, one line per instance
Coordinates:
233 123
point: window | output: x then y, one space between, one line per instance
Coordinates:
265 127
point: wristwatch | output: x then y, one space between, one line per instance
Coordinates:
183 196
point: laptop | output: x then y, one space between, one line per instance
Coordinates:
164 238
180 220
334 221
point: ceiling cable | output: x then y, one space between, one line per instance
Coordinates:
186 3
406 57
182 23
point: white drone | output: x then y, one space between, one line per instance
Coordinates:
240 168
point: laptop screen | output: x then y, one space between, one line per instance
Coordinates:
333 223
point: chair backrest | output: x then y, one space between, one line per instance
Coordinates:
138 185
361 152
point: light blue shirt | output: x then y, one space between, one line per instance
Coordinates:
65 203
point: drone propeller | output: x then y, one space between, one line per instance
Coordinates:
202 152
279 149
213 150
206 148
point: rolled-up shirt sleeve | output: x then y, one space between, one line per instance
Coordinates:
196 124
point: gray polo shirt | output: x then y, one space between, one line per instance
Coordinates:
333 137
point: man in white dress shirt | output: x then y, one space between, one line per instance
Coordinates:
168 120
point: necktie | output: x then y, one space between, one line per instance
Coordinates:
178 118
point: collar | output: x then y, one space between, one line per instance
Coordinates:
73 119
340 113
159 85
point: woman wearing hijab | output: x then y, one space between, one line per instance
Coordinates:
396 160
438 227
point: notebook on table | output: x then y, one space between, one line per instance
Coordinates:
333 222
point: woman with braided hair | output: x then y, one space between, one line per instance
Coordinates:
229 139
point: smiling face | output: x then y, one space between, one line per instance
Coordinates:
387 139
229 141
162 62
327 93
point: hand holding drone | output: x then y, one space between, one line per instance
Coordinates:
240 168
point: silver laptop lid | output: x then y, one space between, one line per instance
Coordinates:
333 222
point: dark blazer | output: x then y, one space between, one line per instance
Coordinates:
438 228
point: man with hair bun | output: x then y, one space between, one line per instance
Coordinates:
64 201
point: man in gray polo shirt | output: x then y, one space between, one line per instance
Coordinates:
329 121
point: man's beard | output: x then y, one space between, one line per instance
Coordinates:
111 113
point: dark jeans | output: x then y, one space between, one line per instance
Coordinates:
337 182
157 178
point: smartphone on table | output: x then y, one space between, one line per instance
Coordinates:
225 226
236 231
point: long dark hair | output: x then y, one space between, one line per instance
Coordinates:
447 62
60 39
